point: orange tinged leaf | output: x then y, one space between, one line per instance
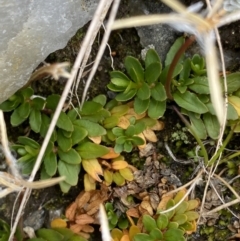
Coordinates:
133 212
58 223
180 195
116 234
93 168
76 228
111 155
87 229
84 219
147 206
117 165
125 237
143 137
164 200
89 183
83 198
158 126
96 139
150 135
123 122
108 176
133 231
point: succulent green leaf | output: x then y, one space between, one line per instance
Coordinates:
37 103
179 218
198 60
49 234
185 73
231 113
198 126
143 92
190 101
121 140
110 122
115 88
26 93
65 187
70 157
163 75
174 234
137 141
44 125
148 122
134 69
89 150
187 226
173 50
156 109
67 134
128 146
212 125
69 171
101 99
123 223
153 72
233 82
93 129
130 131
64 122
126 96
158 92
118 179
182 88
117 131
120 82
26 141
20 114
8 105
64 143
200 85
77 237
119 75
149 223
191 215
26 164
162 221
52 101
151 57
118 148
140 106
32 151
72 114
66 232
142 237
90 108
50 163
78 134
140 127
35 120
180 209
156 234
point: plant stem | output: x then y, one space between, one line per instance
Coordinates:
221 149
230 157
205 155
176 58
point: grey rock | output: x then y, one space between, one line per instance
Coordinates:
31 30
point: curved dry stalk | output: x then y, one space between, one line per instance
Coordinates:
79 59
111 19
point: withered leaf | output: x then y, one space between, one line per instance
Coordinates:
84 219
87 229
82 199
76 228
147 206
133 212
70 211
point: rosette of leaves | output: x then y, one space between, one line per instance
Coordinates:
142 85
24 105
56 234
114 219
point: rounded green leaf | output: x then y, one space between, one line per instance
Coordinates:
180 209
180 218
110 122
69 171
70 157
151 57
156 109
35 120
28 141
153 72
26 93
134 69
65 187
156 234
174 234
117 131
162 221
158 92
52 101
130 131
78 134
185 73
200 85
90 107
101 99
142 237
233 83
140 106
127 146
50 163
115 88
190 101
212 125
121 139
72 114
143 92
49 234
149 223
118 148
37 103
89 150
123 223
191 215
64 143
137 141
120 82
126 96
64 122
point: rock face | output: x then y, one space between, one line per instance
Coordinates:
31 30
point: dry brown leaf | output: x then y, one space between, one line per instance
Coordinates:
164 200
96 139
87 229
95 195
111 155
76 228
150 135
82 199
158 126
84 219
123 122
70 211
132 113
93 207
133 212
147 206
